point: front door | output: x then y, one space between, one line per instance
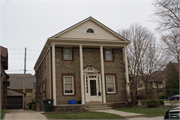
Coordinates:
93 88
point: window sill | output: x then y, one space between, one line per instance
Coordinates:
69 95
108 60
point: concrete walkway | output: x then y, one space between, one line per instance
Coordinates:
21 114
123 114
130 116
147 118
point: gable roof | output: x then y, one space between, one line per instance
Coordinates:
16 81
95 21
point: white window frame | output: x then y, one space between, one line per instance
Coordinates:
114 83
108 54
66 53
72 85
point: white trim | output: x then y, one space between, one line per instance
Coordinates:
81 74
127 73
54 74
86 44
98 86
102 74
72 85
50 75
113 83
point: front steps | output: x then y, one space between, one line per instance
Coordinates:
96 106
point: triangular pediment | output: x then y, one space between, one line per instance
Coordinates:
79 30
90 69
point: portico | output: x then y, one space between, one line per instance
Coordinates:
90 76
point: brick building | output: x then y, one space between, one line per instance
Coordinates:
4 76
85 62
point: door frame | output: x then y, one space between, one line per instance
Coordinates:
88 97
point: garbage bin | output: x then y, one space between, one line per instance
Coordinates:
30 105
48 105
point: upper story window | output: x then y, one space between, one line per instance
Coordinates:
140 85
108 55
67 54
90 30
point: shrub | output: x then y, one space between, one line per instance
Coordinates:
136 103
161 102
152 103
162 96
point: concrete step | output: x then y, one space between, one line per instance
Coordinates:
98 108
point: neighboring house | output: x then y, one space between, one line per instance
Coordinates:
86 62
4 76
15 99
16 84
34 91
155 87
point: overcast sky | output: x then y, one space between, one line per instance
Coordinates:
29 23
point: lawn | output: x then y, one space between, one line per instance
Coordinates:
3 113
172 101
84 115
149 112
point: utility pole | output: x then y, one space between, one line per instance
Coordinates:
24 90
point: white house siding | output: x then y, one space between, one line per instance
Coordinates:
80 32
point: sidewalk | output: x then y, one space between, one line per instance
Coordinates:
123 114
130 116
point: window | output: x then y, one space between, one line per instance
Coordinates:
43 86
68 85
67 54
110 84
90 30
160 91
140 85
108 55
159 83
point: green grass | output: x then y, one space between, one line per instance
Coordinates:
84 115
149 112
4 111
2 115
172 101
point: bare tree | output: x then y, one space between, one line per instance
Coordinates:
168 14
171 42
140 38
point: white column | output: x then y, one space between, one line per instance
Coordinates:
54 74
127 73
102 73
81 74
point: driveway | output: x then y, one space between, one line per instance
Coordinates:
24 115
